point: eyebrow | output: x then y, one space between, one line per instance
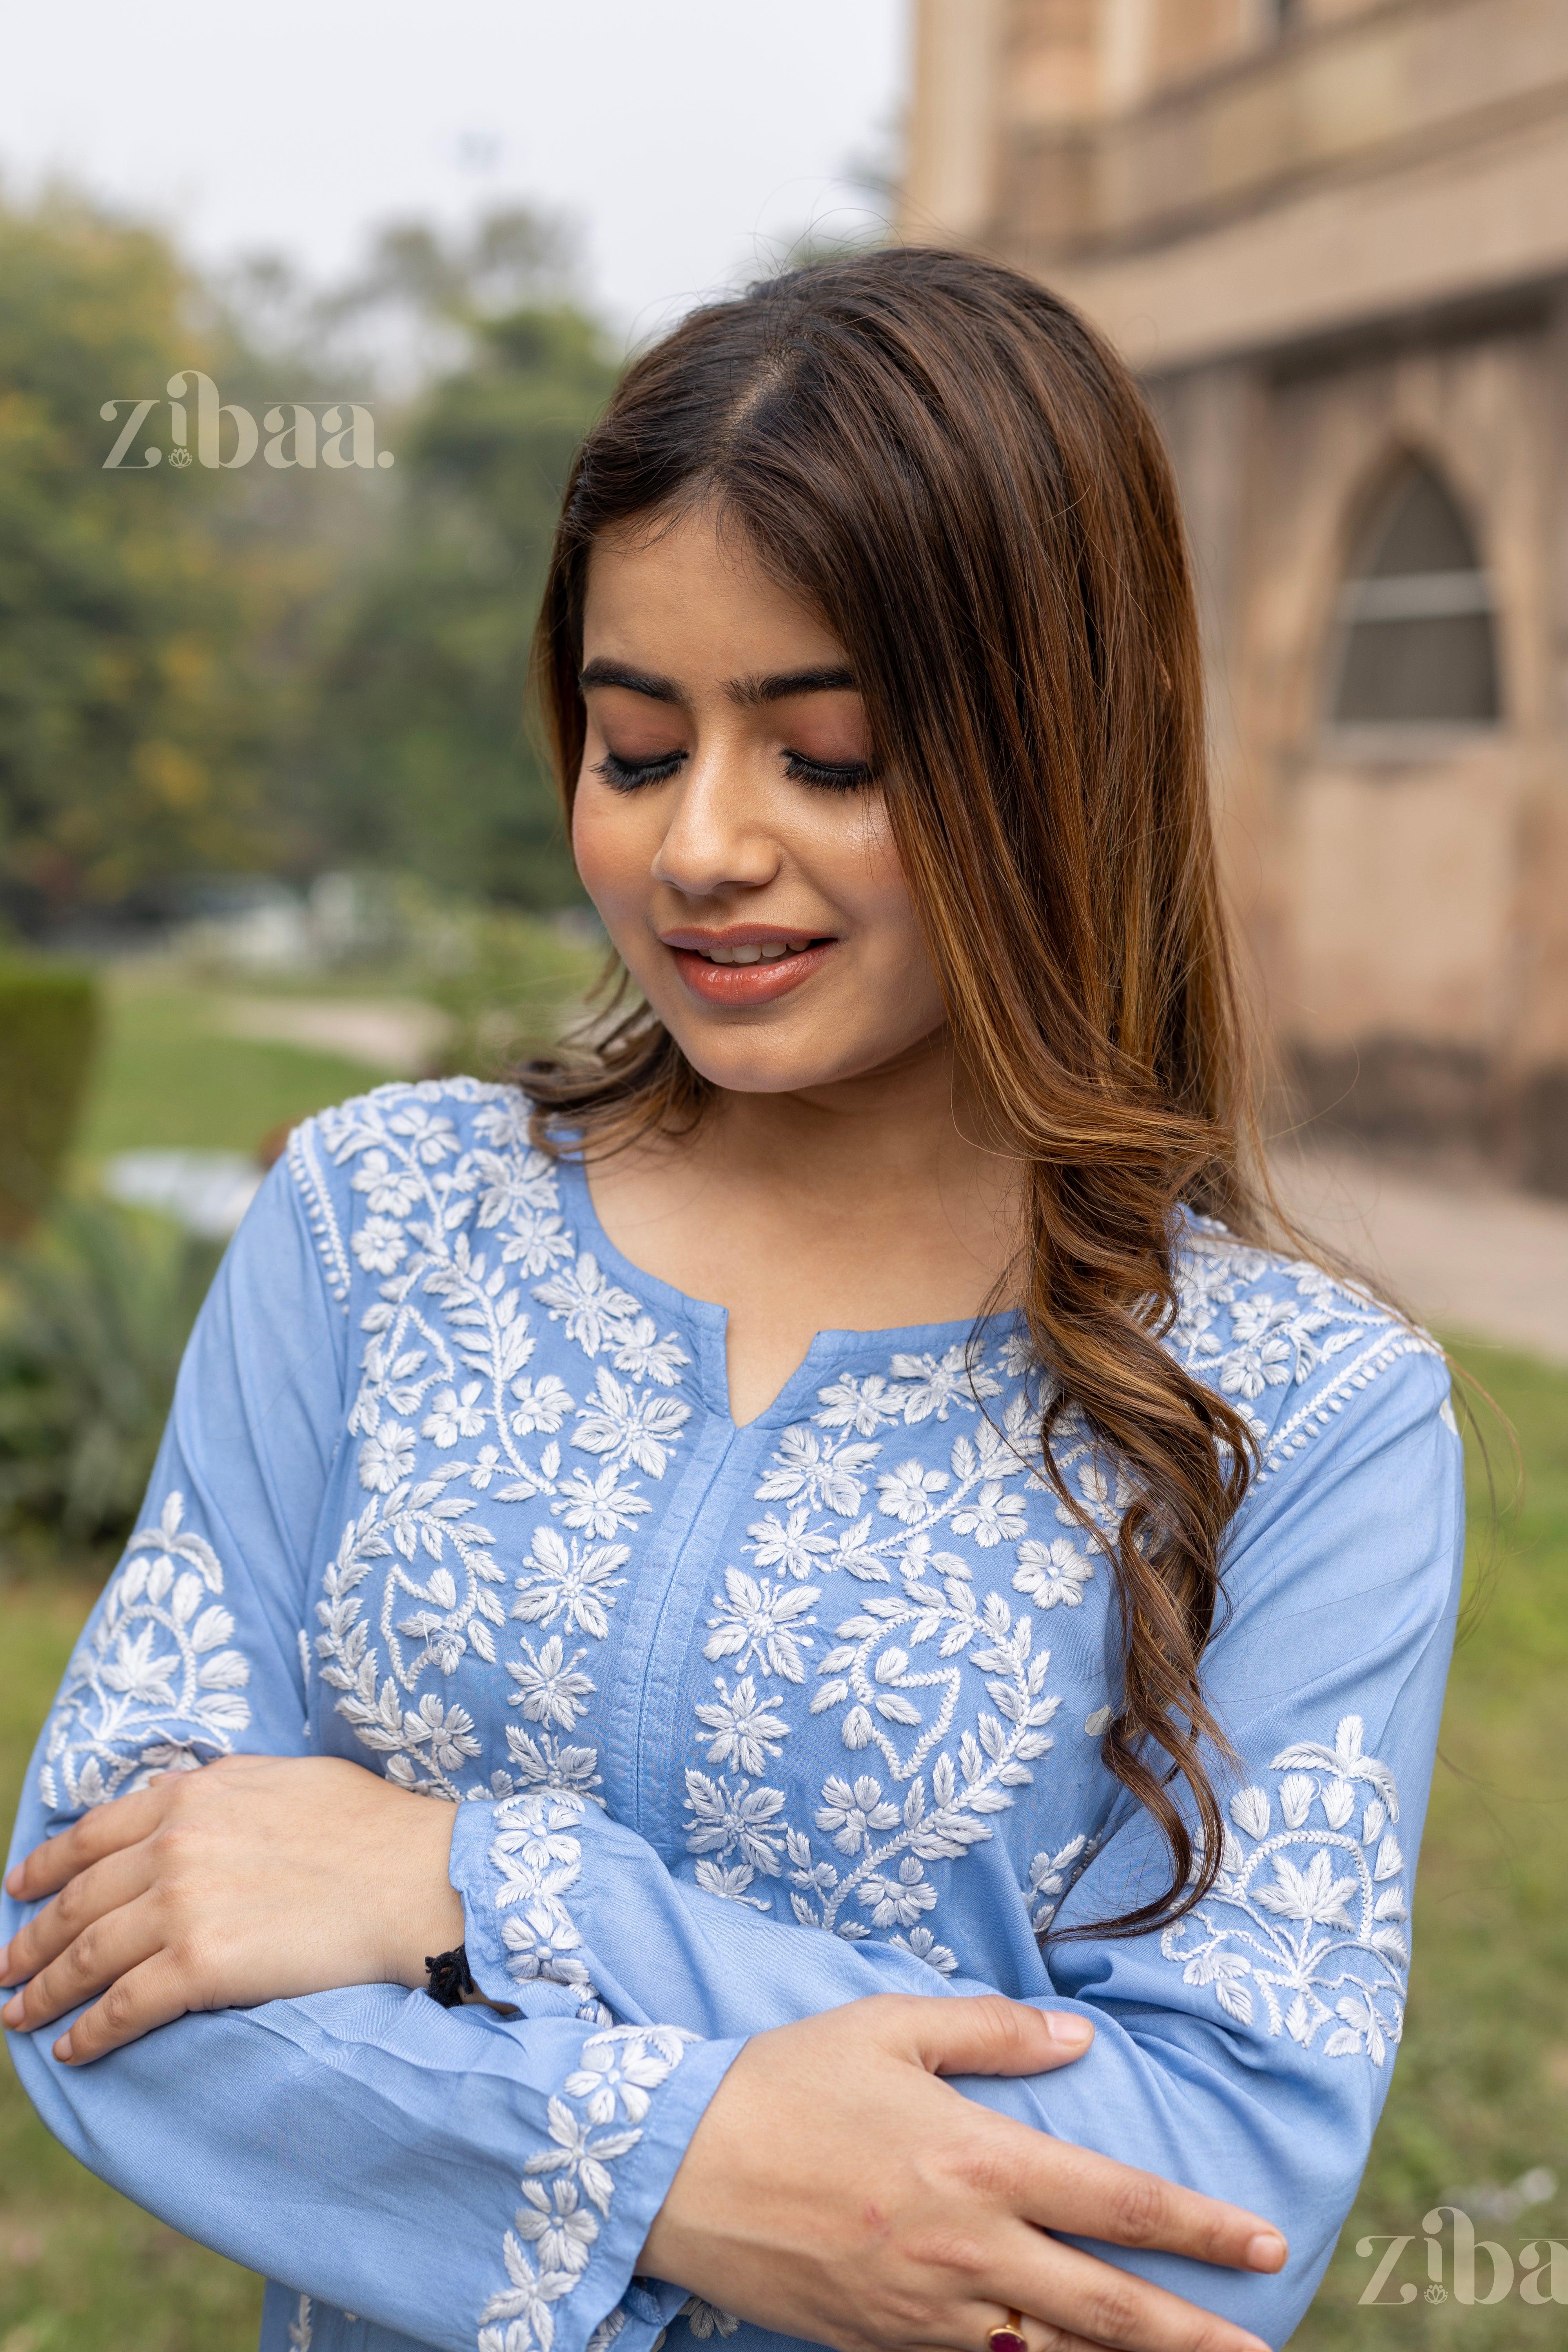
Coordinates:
748 691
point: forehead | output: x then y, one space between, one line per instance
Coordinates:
688 592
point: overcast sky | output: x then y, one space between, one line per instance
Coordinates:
684 136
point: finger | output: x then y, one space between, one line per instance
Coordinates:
102 1887
101 1955
1063 2287
986 2034
973 2329
1073 2189
107 1828
152 1994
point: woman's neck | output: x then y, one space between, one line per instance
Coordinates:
871 1203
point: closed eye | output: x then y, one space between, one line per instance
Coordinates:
827 775
627 775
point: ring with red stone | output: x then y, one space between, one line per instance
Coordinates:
1009 2336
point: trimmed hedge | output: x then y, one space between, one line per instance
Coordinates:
49 1029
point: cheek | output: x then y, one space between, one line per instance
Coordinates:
611 843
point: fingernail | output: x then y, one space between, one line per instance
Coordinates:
12 2012
63 2049
14 1880
1071 2032
1266 2252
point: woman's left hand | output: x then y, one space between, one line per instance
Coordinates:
256 1878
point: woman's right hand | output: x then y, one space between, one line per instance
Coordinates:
836 2190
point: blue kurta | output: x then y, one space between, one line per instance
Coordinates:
741 1723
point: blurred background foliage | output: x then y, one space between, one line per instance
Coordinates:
277 670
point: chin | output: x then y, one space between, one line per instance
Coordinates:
756 1062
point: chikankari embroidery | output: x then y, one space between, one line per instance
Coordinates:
1308 1915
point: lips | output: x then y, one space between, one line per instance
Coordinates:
745 967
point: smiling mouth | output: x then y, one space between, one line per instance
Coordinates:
742 973
772 952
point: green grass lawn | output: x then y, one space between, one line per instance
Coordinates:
168 1079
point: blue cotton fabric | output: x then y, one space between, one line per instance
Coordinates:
740 1724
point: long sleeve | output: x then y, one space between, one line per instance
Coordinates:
454 2177
1247 2051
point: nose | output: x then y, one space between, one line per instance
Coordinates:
718 837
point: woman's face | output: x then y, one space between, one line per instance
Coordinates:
727 824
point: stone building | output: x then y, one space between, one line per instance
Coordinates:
1333 236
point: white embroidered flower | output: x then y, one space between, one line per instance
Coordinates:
852 1811
389 1190
548 1689
136 1672
864 1406
558 2224
535 1243
904 1494
431 1135
594 1310
1314 1895
599 1505
1052 1574
933 1385
896 1901
761 1624
647 1357
729 1882
629 1425
542 1405
791 1545
548 1763
746 1729
993 1516
452 1416
924 1946
379 1246
829 1474
578 1579
729 1820
386 1457
706 2319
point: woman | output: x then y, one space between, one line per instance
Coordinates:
853 1466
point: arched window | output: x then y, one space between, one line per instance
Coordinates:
1416 641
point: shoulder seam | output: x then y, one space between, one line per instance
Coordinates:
1297 1430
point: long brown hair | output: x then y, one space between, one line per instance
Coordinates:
959 475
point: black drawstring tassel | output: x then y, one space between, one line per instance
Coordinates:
449 1977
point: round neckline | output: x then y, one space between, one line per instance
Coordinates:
709 1322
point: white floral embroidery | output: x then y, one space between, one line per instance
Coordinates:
926 1669
453 1226
538 1860
1280 1336
1323 1937
706 2319
156 1687
941 1781
1052 1875
301 2333
567 2189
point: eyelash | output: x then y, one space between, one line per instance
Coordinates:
629 775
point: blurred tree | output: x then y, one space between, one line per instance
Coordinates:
420 757
126 743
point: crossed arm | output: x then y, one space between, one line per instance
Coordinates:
835 2188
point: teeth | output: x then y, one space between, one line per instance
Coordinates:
771 953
